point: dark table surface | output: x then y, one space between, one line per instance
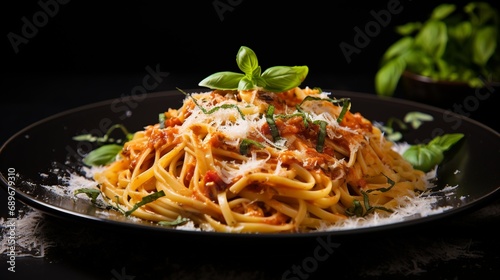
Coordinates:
464 246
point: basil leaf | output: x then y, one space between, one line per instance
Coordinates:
417 118
423 157
389 181
387 77
398 48
408 28
91 193
106 138
260 82
272 124
245 145
402 125
484 45
102 155
426 156
224 106
418 61
177 222
480 12
445 142
355 210
346 104
451 45
442 11
394 136
161 120
282 78
461 31
276 79
320 144
222 80
246 84
256 72
214 109
432 38
247 60
145 200
301 72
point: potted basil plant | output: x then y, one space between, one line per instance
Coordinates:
445 57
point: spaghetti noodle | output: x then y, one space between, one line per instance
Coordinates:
259 162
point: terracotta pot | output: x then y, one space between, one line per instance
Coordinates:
482 104
439 93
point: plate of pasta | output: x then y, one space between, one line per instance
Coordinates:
253 156
210 184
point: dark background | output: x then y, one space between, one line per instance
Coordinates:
91 51
88 51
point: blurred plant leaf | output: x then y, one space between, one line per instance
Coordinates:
408 28
403 45
442 11
481 13
461 31
484 44
387 77
416 119
451 45
432 38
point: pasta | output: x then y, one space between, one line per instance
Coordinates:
259 162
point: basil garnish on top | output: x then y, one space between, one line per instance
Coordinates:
274 79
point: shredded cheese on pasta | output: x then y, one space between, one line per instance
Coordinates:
307 178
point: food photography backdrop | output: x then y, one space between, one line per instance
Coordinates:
62 54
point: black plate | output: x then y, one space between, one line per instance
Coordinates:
47 145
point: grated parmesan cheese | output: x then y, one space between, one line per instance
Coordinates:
32 242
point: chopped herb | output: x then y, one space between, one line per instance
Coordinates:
322 124
272 125
224 106
391 135
107 153
321 135
245 144
346 104
305 116
391 184
106 138
300 113
416 119
161 120
91 193
177 222
402 125
118 204
357 209
145 200
369 208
